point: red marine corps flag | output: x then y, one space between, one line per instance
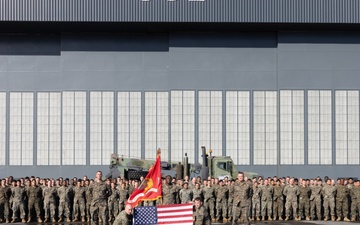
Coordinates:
151 186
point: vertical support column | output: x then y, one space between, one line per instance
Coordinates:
34 129
224 123
306 129
143 125
333 127
116 123
169 127
7 130
251 108
88 114
196 147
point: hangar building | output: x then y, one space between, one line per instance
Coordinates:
274 84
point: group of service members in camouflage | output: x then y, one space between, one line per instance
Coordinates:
240 200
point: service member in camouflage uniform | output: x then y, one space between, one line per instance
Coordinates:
169 192
125 217
291 192
278 199
5 193
79 202
315 199
209 199
197 192
328 192
19 195
201 216
222 194
267 200
99 207
241 191
185 194
342 201
256 201
355 200
113 202
34 201
88 198
49 193
230 200
64 201
123 196
304 200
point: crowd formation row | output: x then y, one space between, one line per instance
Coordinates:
273 198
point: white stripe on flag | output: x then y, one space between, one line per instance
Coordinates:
177 219
176 213
175 208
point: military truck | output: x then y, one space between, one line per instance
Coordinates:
213 166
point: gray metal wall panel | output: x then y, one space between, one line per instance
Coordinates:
245 11
232 61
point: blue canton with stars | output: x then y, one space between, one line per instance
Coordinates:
145 215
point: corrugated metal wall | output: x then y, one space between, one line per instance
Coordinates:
253 11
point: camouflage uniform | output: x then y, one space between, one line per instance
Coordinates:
222 194
342 204
49 194
315 201
123 219
123 196
197 192
169 194
88 198
34 201
329 192
241 192
113 202
201 216
99 207
79 203
5 193
209 200
18 194
256 200
291 193
230 203
266 201
64 202
278 199
185 195
355 202
304 201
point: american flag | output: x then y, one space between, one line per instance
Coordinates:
177 214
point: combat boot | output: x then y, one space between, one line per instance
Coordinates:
287 218
269 218
7 220
75 219
54 220
23 220
29 219
263 218
46 220
252 218
40 220
257 218
213 220
88 218
224 220
274 218
353 219
13 220
280 218
60 219
338 219
346 219
333 218
326 218
83 219
1 220
100 220
307 218
68 219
